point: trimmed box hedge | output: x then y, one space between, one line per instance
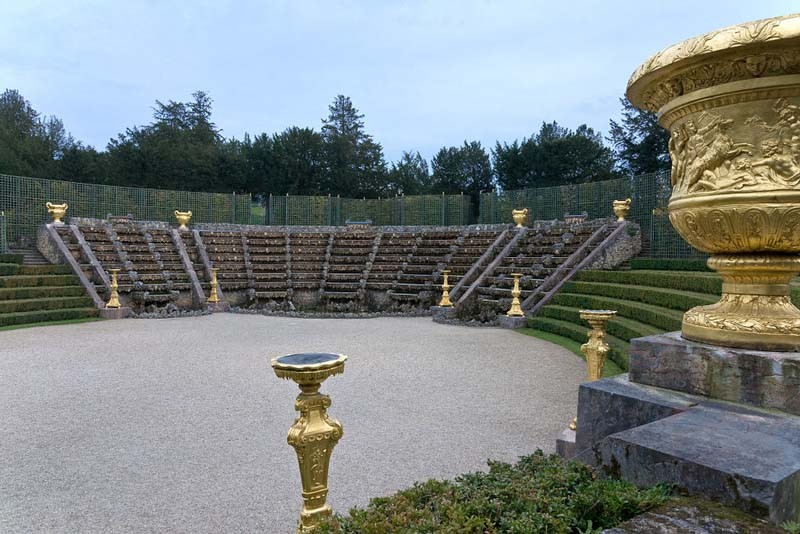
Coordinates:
659 264
619 349
37 281
621 327
12 258
19 293
45 269
664 319
20 318
26 305
666 298
684 281
9 269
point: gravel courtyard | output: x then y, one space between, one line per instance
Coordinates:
180 425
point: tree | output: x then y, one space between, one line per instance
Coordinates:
640 144
409 176
465 169
354 161
182 149
292 161
554 156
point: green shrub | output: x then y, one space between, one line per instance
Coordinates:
12 319
620 327
25 305
12 258
36 281
620 350
684 281
538 494
666 298
662 318
659 264
19 293
9 269
45 269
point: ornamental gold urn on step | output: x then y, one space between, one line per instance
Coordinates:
731 102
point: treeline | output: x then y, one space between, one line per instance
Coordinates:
183 149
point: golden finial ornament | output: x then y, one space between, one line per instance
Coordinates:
57 211
183 218
313 435
113 300
516 309
730 100
213 296
519 216
621 208
596 349
444 302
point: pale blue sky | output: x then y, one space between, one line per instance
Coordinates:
425 74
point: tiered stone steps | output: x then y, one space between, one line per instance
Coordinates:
226 253
346 267
268 258
536 256
31 294
414 283
308 250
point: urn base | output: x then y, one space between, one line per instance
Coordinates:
755 310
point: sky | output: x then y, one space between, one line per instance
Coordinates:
424 74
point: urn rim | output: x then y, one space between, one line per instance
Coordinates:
657 81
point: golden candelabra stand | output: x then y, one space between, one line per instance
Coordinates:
183 218
596 349
444 302
515 310
621 208
113 301
519 216
57 211
313 435
213 297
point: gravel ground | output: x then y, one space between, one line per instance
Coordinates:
180 425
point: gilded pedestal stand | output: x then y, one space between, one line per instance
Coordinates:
444 302
515 310
114 309
596 349
213 296
313 435
113 300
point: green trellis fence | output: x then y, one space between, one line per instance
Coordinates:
649 194
23 199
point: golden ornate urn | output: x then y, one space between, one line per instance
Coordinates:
183 218
731 101
621 208
57 211
519 216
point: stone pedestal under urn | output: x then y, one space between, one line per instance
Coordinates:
715 408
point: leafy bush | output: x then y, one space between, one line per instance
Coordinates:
664 297
662 318
538 494
659 264
684 281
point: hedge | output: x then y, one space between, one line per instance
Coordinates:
9 319
621 327
620 350
664 319
18 293
684 281
658 264
12 258
45 269
666 298
26 305
538 494
9 269
36 281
